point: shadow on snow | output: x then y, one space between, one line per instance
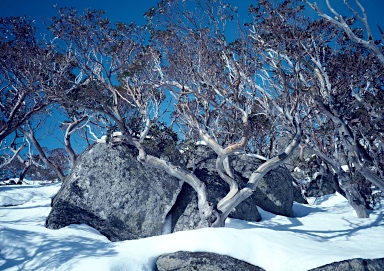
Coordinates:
28 250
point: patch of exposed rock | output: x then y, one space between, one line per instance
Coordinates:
202 261
111 191
353 265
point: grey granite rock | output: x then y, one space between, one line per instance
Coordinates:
354 265
202 261
112 192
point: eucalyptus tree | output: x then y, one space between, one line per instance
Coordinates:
272 75
10 153
362 36
102 54
116 76
364 115
358 113
334 71
28 131
29 67
223 90
11 159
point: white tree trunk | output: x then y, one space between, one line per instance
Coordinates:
258 174
42 155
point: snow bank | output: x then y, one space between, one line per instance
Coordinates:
322 232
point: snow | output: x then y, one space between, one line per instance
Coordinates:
257 156
102 139
201 143
345 168
322 232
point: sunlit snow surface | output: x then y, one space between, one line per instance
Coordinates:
322 232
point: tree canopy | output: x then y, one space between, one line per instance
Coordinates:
286 80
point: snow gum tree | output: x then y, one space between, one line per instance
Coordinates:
262 88
116 75
30 68
337 70
223 89
360 106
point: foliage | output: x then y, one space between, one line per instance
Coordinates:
286 80
162 142
29 68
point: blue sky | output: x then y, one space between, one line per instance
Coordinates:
119 10
129 11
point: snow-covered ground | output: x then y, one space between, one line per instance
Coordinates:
322 232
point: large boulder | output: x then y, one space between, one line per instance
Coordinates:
353 265
111 191
202 261
273 194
